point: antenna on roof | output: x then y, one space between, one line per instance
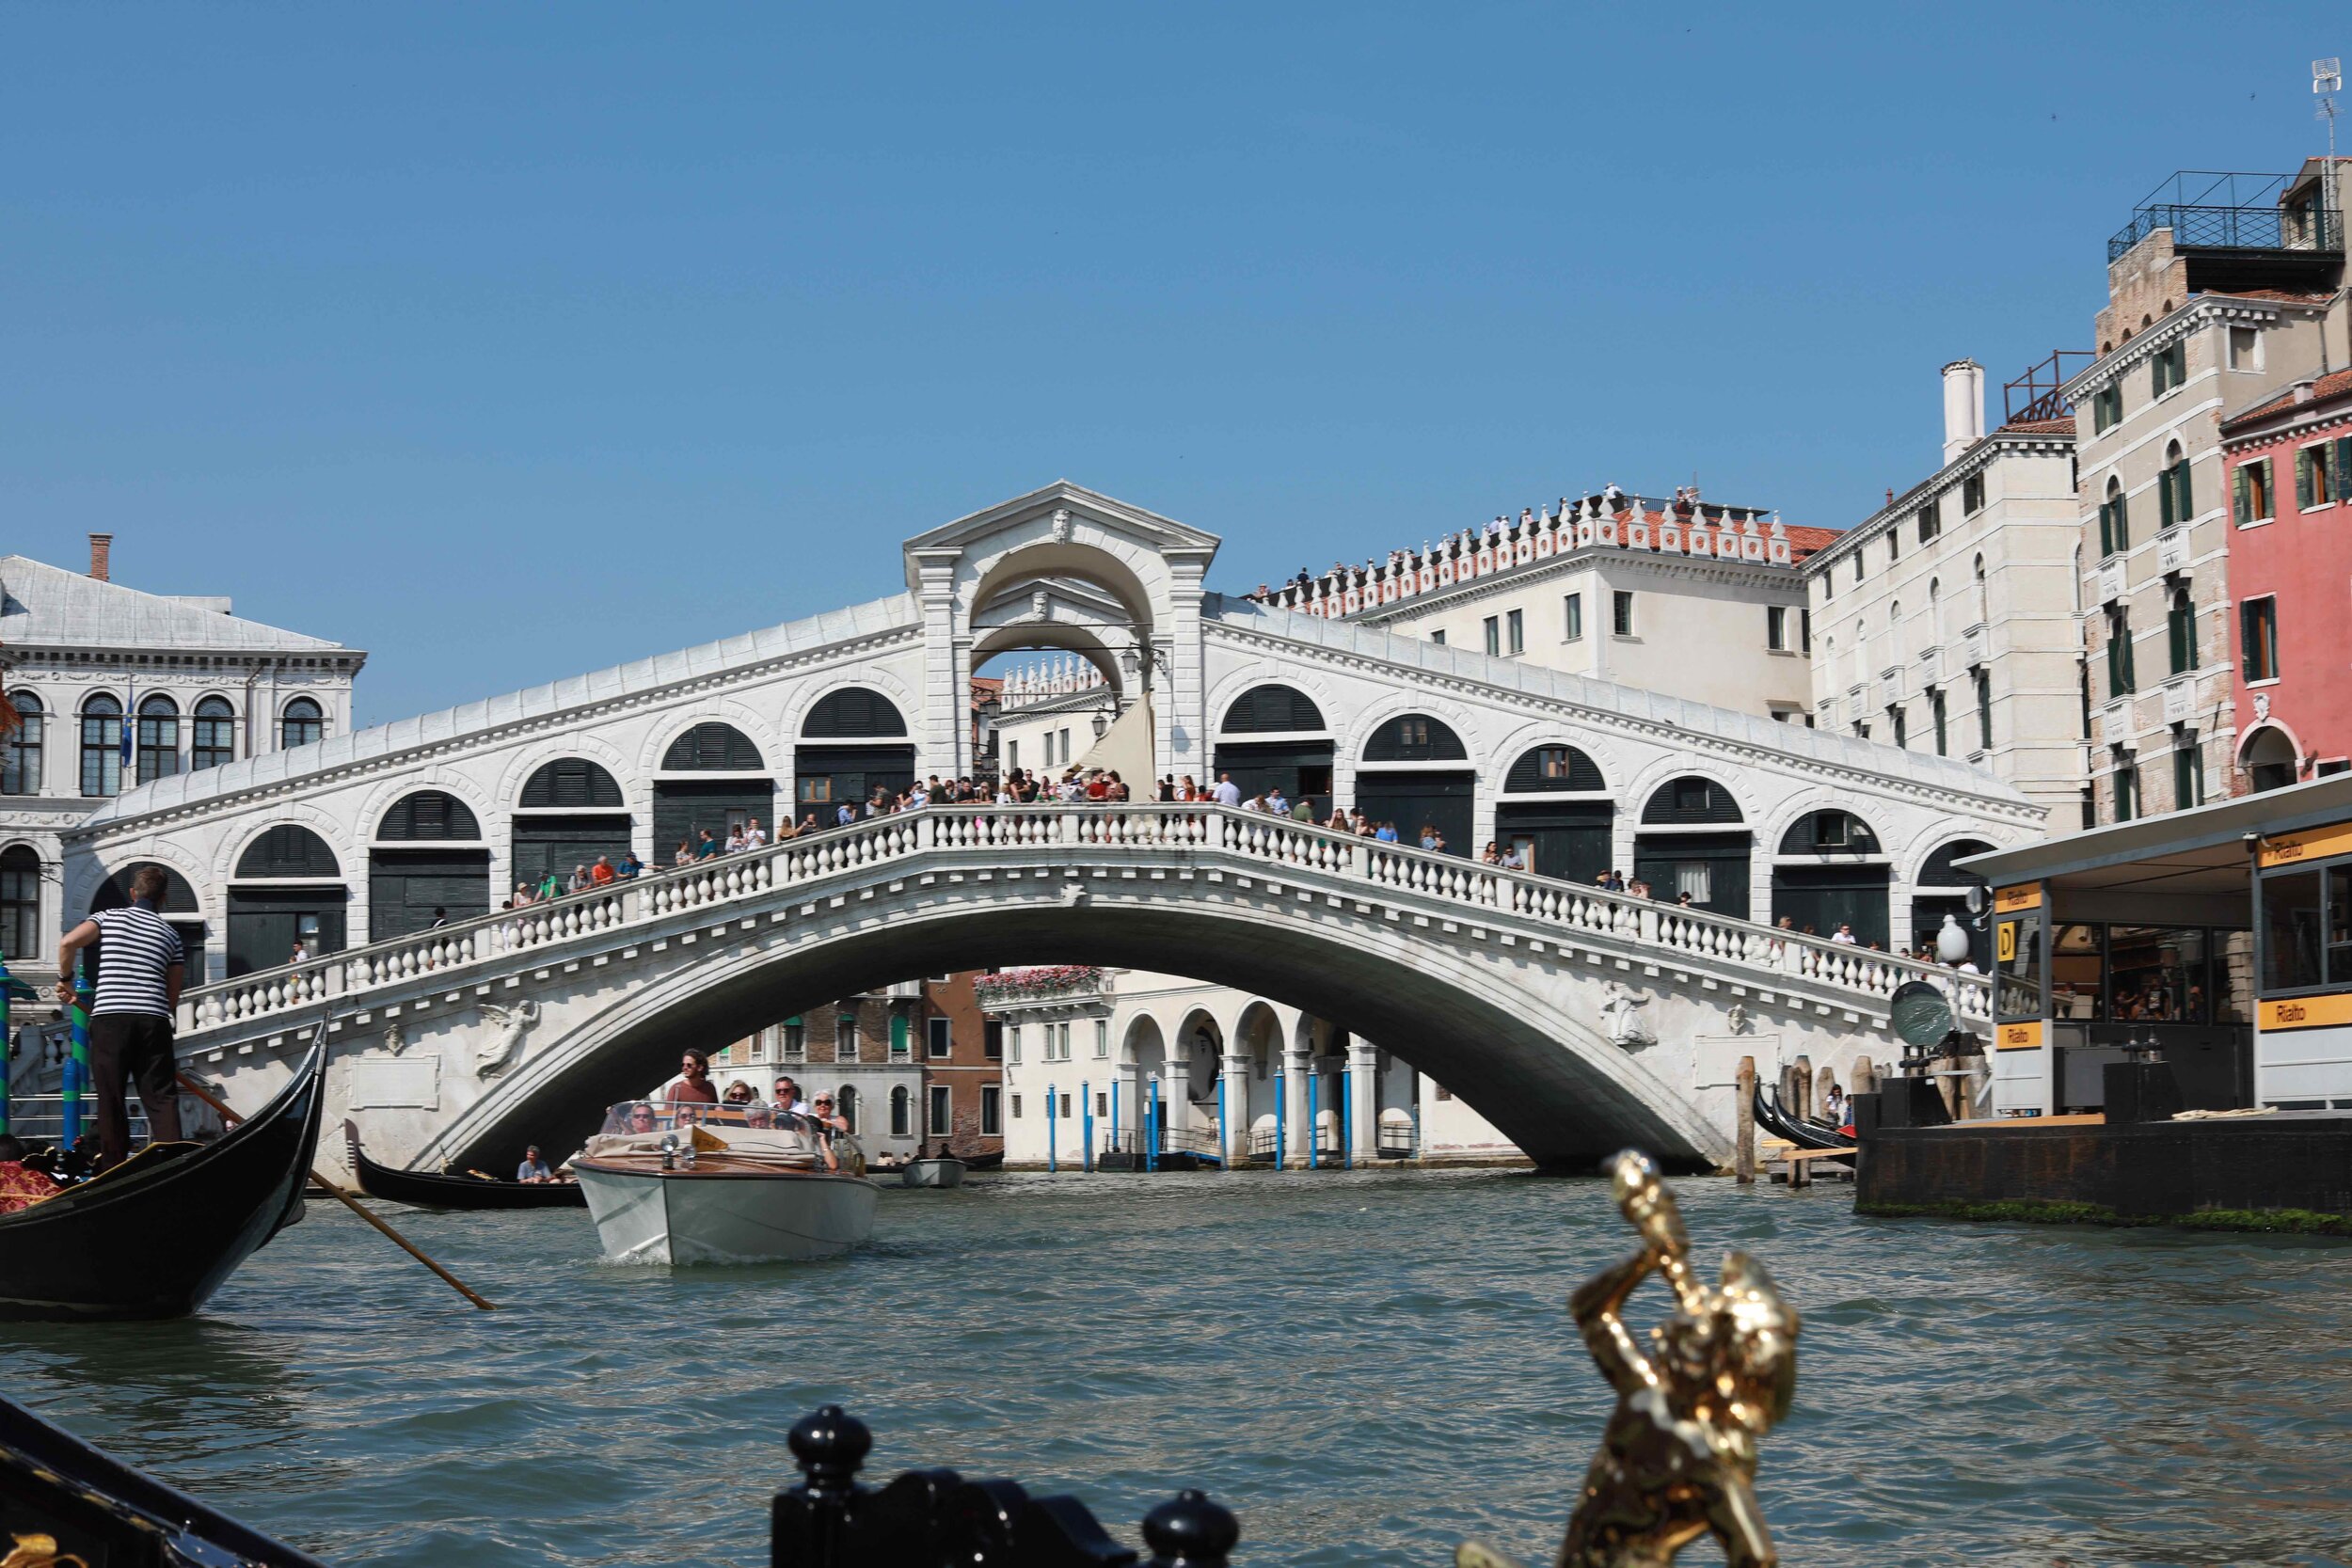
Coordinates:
2327 78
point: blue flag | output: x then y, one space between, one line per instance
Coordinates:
130 729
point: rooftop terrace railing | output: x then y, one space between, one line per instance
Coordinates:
475 950
2224 211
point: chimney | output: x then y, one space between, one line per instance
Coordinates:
101 546
1963 406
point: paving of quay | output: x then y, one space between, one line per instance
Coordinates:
1367 1367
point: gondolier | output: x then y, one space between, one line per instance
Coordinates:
141 969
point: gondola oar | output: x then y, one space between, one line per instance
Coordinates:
349 1202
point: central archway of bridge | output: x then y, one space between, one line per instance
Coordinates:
1566 1016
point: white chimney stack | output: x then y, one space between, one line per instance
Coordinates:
1963 406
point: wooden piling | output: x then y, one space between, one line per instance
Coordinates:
1866 1078
1799 1099
1743 1119
1821 1088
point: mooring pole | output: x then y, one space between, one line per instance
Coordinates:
1282 1132
1743 1118
1086 1125
1053 1111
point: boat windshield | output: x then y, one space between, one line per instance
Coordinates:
650 1116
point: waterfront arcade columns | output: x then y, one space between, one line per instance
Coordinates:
1363 1102
1234 1106
1298 1129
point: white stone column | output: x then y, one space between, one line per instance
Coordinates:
1363 1102
944 725
1298 1133
1234 1086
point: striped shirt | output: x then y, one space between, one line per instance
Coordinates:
135 947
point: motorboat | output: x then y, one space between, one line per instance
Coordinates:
154 1236
62 1501
701 1186
427 1190
944 1171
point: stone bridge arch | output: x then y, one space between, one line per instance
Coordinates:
1524 1055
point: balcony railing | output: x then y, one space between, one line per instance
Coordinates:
2229 212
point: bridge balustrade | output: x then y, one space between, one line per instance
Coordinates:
474 949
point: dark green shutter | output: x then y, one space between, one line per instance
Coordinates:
2165 513
2303 478
2343 465
2242 497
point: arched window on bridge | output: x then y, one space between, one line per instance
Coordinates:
20 906
848 748
1416 773
1693 840
1295 757
1557 812
1831 872
180 909
1941 889
569 814
288 891
729 789
428 863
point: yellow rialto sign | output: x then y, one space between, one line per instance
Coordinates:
2315 843
2017 1036
2005 948
2306 1012
2016 900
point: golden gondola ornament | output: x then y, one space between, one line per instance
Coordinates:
1678 1459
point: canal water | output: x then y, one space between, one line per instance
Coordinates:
1366 1367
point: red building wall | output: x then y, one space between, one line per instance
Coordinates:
2301 559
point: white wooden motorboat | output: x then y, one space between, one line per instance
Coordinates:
933 1173
758 1198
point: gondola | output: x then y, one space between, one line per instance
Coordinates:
1771 1116
984 1162
98 1510
421 1190
155 1236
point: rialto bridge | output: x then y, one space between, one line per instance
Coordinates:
1572 1019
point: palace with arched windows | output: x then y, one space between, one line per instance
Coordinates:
114 687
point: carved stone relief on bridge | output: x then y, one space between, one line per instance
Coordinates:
508 1025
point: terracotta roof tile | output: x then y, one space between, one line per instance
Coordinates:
2326 388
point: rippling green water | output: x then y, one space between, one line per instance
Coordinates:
1365 1366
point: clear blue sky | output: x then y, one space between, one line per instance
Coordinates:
508 341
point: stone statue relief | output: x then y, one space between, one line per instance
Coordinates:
510 1025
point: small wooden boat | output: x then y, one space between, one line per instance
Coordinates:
689 1196
984 1162
155 1236
424 1190
933 1173
1774 1118
95 1509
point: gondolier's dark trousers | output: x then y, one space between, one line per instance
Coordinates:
124 1046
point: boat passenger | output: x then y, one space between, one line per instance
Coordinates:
534 1169
642 1118
788 1097
739 1093
691 1086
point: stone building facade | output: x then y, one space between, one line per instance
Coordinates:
1946 620
2202 320
91 665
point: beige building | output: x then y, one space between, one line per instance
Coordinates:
1681 595
1947 621
2222 290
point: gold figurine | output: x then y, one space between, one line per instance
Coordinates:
1679 1458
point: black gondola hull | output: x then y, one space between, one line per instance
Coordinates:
1774 1118
421 1190
102 1511
155 1238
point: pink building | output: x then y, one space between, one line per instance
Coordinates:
2289 460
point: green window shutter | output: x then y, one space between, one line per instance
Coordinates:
2242 497
2122 524
2303 478
2107 528
2343 465
2184 503
2165 517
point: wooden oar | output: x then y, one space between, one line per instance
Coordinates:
347 1201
